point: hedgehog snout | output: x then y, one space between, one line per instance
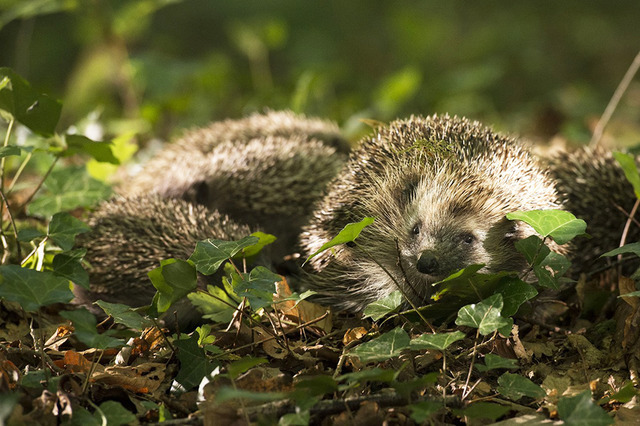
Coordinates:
428 263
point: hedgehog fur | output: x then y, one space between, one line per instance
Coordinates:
593 187
266 170
129 238
439 188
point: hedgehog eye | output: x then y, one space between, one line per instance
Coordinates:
468 238
416 230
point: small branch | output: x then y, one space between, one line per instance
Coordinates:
13 223
46 175
627 225
613 103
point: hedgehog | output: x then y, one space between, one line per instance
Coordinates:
265 170
129 238
439 188
593 186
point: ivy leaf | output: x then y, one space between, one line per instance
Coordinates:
115 414
384 347
39 112
100 151
628 164
84 323
66 189
492 362
485 316
514 293
485 410
33 289
210 254
226 393
236 368
69 266
173 279
194 365
349 233
439 341
384 306
216 304
9 150
560 225
627 248
376 374
123 314
533 249
63 229
423 410
253 250
515 386
258 287
581 410
29 234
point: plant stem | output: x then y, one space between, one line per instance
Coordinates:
46 175
13 224
2 163
613 103
19 171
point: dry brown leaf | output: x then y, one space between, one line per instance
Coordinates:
74 362
143 378
9 375
353 334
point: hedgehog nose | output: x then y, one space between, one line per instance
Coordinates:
427 264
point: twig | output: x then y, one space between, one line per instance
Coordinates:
46 175
627 225
2 163
13 223
613 103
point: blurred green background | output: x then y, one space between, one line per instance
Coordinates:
542 69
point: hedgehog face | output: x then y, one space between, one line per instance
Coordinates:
450 229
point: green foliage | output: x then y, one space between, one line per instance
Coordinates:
66 189
63 229
485 316
422 411
485 410
123 314
210 254
173 279
84 324
348 234
194 365
240 366
581 410
383 307
381 348
33 289
515 386
492 362
560 225
628 164
439 341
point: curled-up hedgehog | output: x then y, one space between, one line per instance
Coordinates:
439 188
266 170
129 238
593 187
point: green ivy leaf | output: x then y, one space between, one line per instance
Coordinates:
100 151
384 347
39 112
317 385
9 150
627 248
115 414
375 374
560 225
349 233
258 287
33 289
210 254
69 266
173 279
384 306
439 341
123 314
216 304
628 164
26 235
63 229
514 293
423 410
485 410
66 189
485 316
84 323
236 368
515 386
492 362
252 251
533 249
581 410
226 393
194 364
